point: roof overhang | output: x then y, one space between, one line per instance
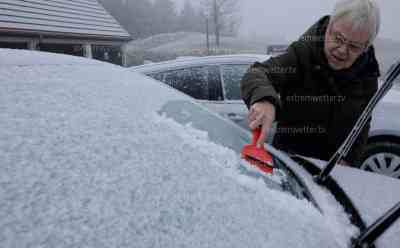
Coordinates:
41 34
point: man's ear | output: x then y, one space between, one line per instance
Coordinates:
328 28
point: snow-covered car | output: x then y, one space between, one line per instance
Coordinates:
382 154
90 159
215 82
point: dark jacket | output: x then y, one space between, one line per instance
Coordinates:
316 106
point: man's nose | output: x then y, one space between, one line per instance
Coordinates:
343 51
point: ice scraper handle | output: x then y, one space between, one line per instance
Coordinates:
256 136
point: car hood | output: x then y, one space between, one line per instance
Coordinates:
384 119
372 195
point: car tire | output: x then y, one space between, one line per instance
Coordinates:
382 157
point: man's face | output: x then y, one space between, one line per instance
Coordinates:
344 44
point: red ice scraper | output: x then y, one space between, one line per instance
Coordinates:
258 156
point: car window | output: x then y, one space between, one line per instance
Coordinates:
214 83
202 83
192 81
232 75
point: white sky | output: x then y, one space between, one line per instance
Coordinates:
290 18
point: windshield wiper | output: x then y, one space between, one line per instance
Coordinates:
391 75
373 232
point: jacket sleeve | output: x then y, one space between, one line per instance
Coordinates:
264 81
356 153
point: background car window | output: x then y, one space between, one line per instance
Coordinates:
192 81
158 76
214 83
224 133
232 75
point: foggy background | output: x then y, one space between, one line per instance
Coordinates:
166 29
287 19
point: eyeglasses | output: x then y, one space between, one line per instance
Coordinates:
340 40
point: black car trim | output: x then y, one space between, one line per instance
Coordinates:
306 192
373 232
337 192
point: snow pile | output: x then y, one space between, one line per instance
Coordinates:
159 40
88 162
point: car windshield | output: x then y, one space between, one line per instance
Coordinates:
229 135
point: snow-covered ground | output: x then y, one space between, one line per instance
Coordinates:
185 42
87 161
171 45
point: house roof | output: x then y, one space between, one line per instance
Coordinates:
75 18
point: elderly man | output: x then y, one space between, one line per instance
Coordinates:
319 87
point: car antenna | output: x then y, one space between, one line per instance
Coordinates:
391 75
373 232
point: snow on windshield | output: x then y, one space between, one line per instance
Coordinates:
86 161
393 95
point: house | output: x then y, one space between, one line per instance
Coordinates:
75 27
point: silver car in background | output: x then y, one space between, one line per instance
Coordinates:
382 153
215 82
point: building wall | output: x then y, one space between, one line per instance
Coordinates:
75 27
112 52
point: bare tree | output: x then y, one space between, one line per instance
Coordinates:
191 18
223 15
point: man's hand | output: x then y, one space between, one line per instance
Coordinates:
262 114
343 162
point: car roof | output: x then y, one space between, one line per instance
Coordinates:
184 62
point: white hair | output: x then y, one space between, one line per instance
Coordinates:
361 13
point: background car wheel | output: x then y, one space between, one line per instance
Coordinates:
382 158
